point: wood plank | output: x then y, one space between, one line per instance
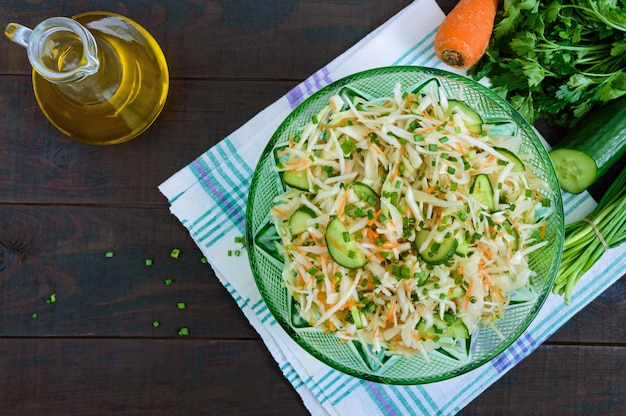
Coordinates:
186 376
142 377
61 250
277 39
559 380
41 166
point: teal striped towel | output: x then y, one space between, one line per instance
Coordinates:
209 198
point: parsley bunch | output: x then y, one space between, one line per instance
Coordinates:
556 60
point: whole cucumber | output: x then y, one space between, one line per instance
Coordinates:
588 150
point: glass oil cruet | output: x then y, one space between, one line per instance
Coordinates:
98 77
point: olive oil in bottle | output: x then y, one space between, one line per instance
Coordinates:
101 78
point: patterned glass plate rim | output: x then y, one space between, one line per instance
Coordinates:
353 358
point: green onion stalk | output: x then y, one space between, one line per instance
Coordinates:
586 240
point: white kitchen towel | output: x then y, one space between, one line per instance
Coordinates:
209 198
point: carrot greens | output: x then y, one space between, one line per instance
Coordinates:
557 60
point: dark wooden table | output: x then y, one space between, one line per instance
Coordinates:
63 205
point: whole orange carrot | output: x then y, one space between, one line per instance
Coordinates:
464 34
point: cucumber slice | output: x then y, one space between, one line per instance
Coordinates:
344 253
471 118
356 317
462 248
457 330
575 169
298 222
502 129
588 150
518 165
428 87
427 332
365 193
435 253
296 179
482 191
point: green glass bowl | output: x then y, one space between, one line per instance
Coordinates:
357 359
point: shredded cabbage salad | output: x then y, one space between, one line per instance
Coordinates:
406 222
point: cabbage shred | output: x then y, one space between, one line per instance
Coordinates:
419 156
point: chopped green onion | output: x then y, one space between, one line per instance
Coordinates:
175 253
432 147
181 305
155 324
183 332
405 272
148 262
167 282
109 254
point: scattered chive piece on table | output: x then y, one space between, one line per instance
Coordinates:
35 315
175 253
52 298
183 331
148 262
155 324
167 282
109 254
204 260
181 305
